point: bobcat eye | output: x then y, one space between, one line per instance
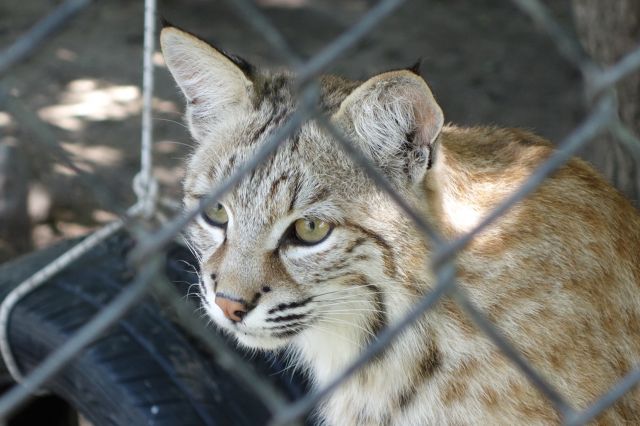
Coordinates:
311 231
215 215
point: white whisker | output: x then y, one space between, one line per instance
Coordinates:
334 334
328 309
174 122
335 321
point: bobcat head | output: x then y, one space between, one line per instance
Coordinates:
305 249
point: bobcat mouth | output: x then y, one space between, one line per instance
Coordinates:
280 328
285 320
275 329
286 331
269 337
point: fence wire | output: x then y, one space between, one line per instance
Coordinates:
599 87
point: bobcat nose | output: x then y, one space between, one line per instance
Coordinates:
232 309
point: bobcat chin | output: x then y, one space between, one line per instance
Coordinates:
307 253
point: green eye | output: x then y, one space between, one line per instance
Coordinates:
311 231
215 215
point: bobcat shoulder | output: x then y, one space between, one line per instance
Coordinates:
307 254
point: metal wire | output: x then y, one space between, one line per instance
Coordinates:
41 277
156 242
48 142
446 280
144 186
359 158
599 86
38 34
591 127
558 401
321 60
606 401
88 333
225 356
567 45
609 77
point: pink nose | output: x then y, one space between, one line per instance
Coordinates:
233 310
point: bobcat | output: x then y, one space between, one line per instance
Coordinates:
306 253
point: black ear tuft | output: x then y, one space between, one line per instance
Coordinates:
248 69
164 23
415 68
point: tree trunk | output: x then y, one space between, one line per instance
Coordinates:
608 30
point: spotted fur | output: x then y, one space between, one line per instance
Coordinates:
558 274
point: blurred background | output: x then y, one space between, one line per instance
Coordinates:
80 90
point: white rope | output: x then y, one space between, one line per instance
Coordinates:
41 277
147 193
144 186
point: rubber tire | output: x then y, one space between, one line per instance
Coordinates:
145 370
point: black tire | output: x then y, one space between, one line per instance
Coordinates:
145 370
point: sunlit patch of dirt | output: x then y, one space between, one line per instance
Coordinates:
85 99
94 154
6 120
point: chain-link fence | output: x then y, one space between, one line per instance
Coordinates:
599 88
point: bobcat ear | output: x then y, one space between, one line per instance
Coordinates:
395 119
214 83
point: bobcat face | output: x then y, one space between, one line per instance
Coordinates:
292 247
279 251
305 244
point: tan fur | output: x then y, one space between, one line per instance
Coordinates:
569 254
558 274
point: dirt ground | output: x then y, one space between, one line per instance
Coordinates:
484 60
